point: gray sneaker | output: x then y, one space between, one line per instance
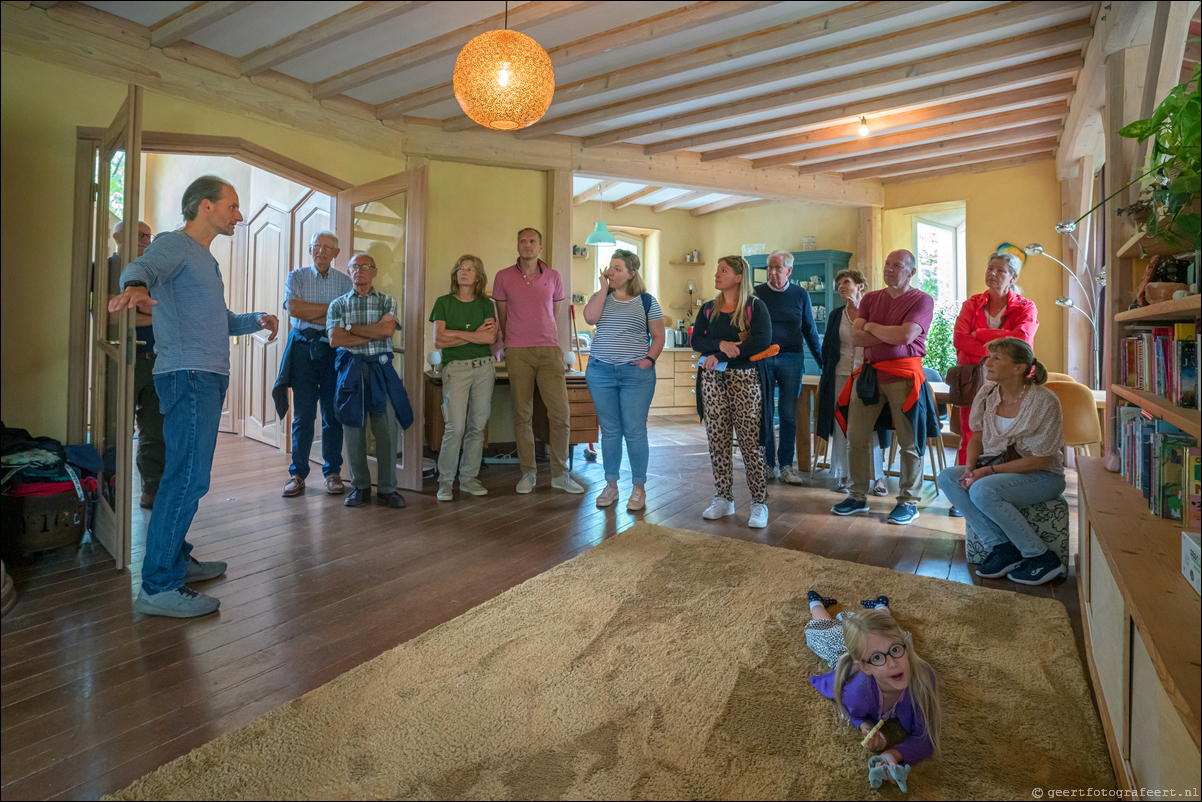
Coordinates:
444 492
183 602
567 483
472 486
526 483
199 572
790 476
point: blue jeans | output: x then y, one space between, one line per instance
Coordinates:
314 380
784 374
990 505
622 395
191 402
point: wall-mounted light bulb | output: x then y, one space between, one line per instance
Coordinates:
863 126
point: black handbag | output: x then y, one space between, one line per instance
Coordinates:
1009 455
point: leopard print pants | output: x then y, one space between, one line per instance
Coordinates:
733 401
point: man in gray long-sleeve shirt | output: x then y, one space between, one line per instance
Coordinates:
181 281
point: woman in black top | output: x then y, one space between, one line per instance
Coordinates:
730 330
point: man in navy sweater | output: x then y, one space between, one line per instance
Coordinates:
792 322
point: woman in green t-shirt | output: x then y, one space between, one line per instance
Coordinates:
465 329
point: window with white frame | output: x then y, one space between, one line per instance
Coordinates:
625 242
939 251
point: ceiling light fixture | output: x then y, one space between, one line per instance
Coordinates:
863 126
503 79
600 235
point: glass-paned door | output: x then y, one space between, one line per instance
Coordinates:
386 220
111 396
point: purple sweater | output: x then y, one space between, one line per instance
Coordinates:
861 699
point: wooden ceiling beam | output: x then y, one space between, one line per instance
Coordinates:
1006 119
521 18
849 126
353 20
976 167
962 144
789 33
100 22
923 165
195 20
672 203
593 191
1054 69
621 203
1031 44
675 21
728 203
894 44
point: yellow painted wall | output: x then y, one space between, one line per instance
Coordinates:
40 106
781 226
1018 205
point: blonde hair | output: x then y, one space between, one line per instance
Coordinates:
739 316
481 276
1021 354
923 693
635 285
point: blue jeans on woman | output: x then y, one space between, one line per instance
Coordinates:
622 395
990 505
191 402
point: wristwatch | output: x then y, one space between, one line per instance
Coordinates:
651 359
134 283
348 328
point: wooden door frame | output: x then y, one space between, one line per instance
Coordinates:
88 139
414 184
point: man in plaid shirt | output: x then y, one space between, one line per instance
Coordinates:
361 324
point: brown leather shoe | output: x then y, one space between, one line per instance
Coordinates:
148 501
334 485
295 487
393 499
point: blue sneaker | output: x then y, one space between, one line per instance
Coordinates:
1001 560
1037 570
902 514
849 506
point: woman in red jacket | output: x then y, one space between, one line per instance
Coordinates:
998 312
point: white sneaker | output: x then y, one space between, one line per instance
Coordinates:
719 508
444 492
771 472
789 476
607 496
759 516
526 483
567 483
473 486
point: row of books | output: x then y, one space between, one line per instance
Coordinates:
1162 461
1162 360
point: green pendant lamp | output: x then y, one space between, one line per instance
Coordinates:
601 235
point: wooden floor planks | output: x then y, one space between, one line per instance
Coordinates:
94 696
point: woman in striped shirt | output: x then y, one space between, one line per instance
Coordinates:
628 339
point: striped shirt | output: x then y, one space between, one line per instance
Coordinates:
308 285
354 309
623 332
192 325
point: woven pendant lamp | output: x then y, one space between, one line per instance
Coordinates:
504 80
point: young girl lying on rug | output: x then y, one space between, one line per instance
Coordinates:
876 676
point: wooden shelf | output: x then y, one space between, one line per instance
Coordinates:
1186 308
1187 420
688 264
1151 247
1144 553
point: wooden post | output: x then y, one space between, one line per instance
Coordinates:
558 249
869 256
1076 198
1125 72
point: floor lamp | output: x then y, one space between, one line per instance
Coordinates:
1091 314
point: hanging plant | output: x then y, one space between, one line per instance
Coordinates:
1175 128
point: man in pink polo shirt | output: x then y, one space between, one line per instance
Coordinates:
529 295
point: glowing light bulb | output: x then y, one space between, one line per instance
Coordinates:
503 75
863 126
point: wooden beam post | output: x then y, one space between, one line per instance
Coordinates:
195 20
558 250
870 257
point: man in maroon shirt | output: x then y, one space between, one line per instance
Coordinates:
892 328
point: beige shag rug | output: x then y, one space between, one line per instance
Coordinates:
667 664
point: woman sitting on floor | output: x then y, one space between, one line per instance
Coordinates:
877 676
1014 460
